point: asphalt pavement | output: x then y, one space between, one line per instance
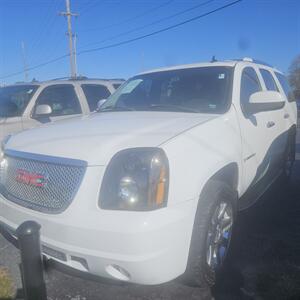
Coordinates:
264 262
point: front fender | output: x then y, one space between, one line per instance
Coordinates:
198 154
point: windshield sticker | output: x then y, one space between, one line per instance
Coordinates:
221 76
30 91
131 86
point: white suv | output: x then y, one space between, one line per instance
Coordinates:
147 189
27 105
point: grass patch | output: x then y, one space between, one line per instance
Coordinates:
6 285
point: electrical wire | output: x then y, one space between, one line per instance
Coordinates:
130 40
160 30
149 24
149 11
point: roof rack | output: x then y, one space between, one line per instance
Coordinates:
85 78
256 61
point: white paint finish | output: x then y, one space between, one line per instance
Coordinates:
152 246
99 136
17 124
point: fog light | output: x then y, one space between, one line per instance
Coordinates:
118 272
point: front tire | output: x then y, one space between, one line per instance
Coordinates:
211 234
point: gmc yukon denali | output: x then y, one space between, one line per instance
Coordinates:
147 189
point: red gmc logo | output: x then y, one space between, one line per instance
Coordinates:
25 177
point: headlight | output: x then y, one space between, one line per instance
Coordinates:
136 179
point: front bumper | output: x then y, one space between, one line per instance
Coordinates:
140 247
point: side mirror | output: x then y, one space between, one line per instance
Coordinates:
264 101
100 103
43 110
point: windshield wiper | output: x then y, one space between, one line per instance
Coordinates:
115 108
172 107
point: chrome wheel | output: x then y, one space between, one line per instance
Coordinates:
219 235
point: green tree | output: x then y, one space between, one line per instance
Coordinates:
294 76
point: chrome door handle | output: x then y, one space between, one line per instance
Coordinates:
286 115
270 124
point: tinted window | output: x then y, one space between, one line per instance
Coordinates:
269 80
94 93
61 98
205 89
249 85
285 86
14 99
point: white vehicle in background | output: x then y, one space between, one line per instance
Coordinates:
148 188
27 105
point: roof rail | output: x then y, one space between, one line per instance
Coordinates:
256 61
85 78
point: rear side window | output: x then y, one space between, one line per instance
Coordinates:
285 86
249 85
269 80
61 98
94 93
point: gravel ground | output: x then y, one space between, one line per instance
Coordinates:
264 262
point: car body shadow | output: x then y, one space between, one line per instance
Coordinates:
264 262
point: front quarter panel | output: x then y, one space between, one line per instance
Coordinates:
199 153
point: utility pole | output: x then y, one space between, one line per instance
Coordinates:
75 53
69 16
24 61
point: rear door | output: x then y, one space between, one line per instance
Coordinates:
258 132
280 128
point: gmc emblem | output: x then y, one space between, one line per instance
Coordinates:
33 179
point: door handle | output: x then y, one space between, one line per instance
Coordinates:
286 115
270 124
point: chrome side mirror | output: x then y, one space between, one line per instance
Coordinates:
100 103
43 110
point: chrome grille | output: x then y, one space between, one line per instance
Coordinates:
60 181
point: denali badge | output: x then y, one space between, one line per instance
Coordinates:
33 179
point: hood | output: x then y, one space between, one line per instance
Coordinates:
97 137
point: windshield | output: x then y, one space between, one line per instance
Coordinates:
204 90
14 99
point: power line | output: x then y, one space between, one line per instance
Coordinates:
160 30
132 18
149 24
37 66
130 40
90 4
47 23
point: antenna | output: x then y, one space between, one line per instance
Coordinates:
213 59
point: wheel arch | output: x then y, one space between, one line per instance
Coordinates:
228 174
